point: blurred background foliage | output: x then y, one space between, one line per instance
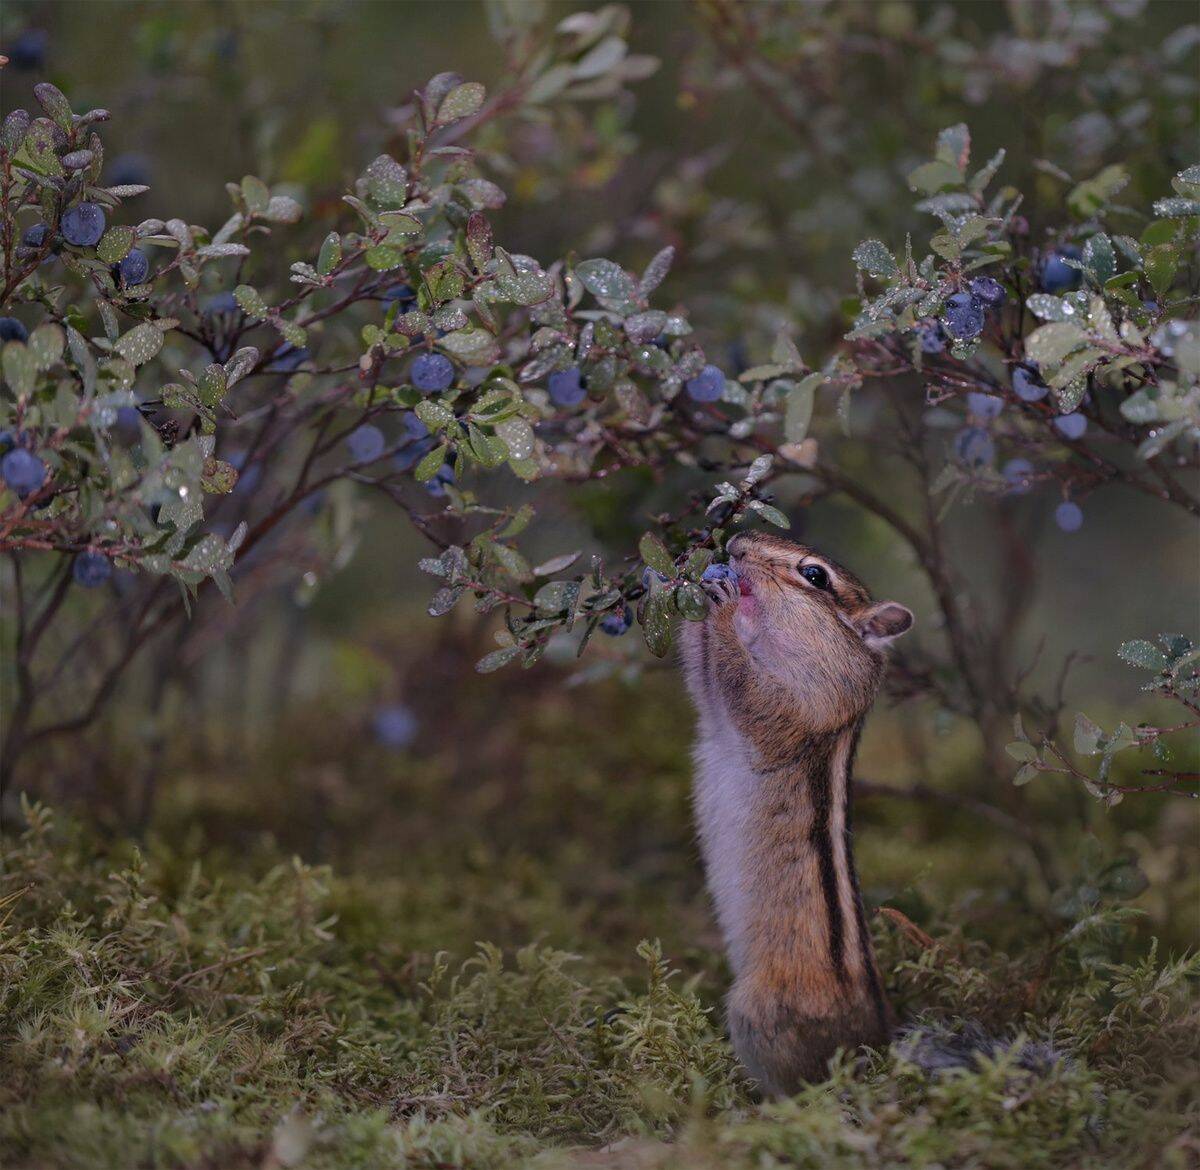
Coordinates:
552 804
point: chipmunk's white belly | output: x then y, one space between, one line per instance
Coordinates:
724 792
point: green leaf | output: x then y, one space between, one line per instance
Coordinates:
656 622
1087 736
461 102
1049 344
1022 750
933 177
386 181
1161 263
250 301
428 467
1026 773
655 554
799 408
1142 653
140 344
54 102
606 280
330 255
1098 255
115 244
497 658
873 257
255 194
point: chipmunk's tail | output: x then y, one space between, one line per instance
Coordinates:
937 1047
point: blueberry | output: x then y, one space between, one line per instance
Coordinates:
988 290
413 453
414 428
1017 472
566 387
432 372
34 236
289 358
984 406
83 225
963 316
1057 276
12 330
401 293
615 624
395 726
91 569
719 571
974 447
23 471
222 302
929 336
436 487
128 425
366 443
28 51
130 170
707 386
662 341
134 268
1071 426
1069 516
1026 384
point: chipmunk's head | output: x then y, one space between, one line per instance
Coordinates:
812 624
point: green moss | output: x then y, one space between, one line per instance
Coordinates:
160 1012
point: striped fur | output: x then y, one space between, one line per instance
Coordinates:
782 678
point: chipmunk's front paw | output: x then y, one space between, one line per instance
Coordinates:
720 582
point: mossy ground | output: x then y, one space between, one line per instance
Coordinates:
461 979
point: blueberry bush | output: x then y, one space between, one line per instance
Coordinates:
939 307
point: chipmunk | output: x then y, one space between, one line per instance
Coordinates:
783 671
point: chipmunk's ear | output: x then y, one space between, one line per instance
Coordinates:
882 622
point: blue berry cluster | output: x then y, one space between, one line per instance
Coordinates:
965 311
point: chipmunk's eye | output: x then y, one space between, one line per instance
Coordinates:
815 576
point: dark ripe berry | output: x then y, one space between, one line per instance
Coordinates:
134 268
402 294
128 425
416 450
706 386
12 330
984 406
436 487
988 290
222 302
718 571
395 726
83 225
929 336
721 512
1071 426
432 372
974 447
1027 386
615 624
289 358
1069 516
414 428
91 569
130 170
28 51
1058 276
35 236
366 443
1017 472
963 316
662 341
23 471
566 387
